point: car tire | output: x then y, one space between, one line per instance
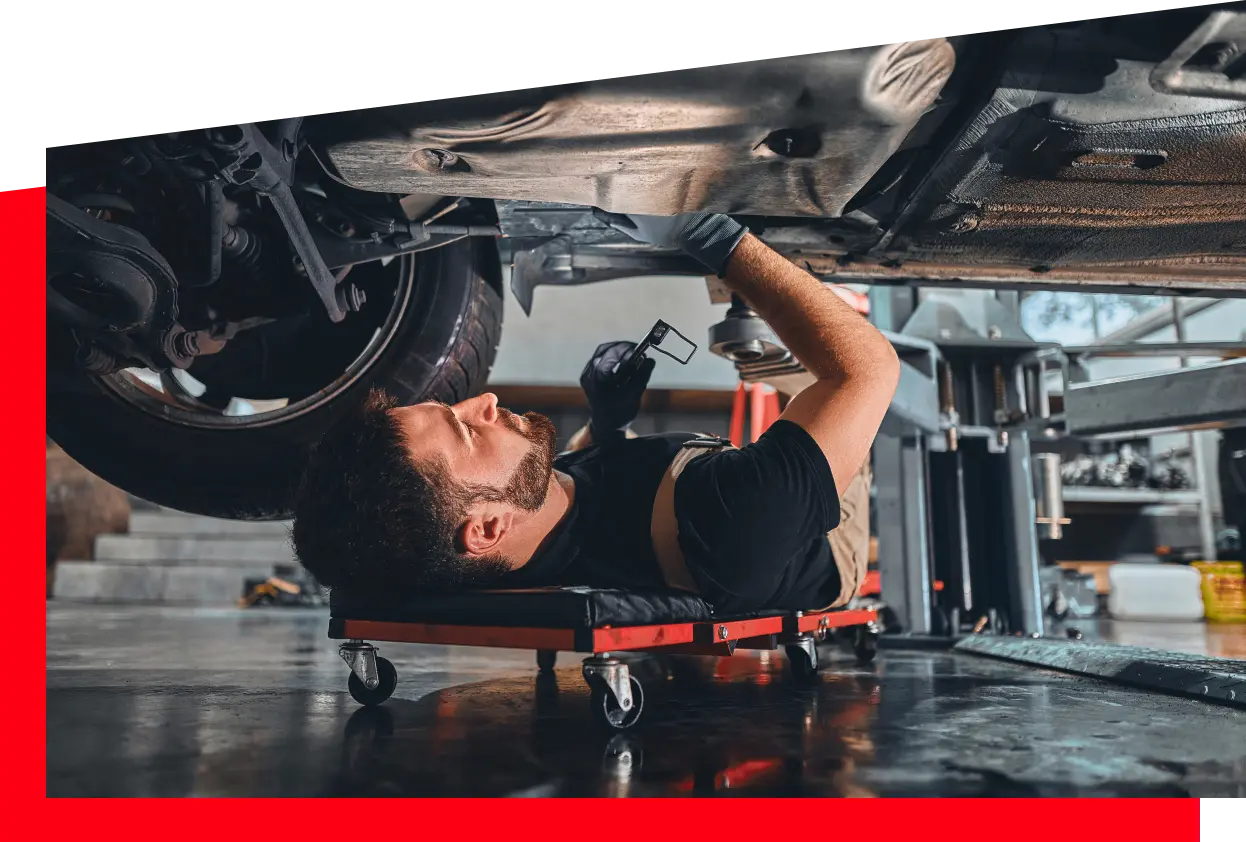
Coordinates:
441 348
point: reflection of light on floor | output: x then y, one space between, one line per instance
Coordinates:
859 743
539 791
845 782
325 702
734 777
748 772
618 766
763 668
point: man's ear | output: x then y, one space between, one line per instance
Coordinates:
484 530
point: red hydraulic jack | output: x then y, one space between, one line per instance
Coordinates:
762 403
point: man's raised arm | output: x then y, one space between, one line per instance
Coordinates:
856 368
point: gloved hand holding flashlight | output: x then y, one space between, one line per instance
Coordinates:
614 390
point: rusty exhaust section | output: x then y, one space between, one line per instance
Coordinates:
791 137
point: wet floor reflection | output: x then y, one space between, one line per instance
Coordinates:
913 724
741 727
731 726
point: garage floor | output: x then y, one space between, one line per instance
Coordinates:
170 702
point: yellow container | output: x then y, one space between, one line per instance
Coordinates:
1224 590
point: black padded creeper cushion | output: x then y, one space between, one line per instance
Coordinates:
549 608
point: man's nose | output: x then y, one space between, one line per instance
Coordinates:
489 407
482 408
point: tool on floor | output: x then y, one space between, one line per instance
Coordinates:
289 586
267 592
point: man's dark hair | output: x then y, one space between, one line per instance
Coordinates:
365 514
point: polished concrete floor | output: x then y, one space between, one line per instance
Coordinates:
173 702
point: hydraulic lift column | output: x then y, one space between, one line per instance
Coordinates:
1023 562
904 564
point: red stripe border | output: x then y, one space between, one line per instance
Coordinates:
21 221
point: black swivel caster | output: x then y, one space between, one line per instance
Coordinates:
545 660
802 659
865 644
387 682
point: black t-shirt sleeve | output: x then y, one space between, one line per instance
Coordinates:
744 513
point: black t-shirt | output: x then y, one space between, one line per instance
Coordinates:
752 522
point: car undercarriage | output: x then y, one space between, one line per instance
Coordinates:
294 263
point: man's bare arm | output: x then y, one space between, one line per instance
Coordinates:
856 368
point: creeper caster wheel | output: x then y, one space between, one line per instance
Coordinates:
616 696
387 682
865 644
608 711
802 659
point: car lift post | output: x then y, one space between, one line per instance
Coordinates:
1025 591
904 561
901 484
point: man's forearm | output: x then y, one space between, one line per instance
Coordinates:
831 340
855 366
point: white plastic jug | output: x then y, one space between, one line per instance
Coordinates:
1155 592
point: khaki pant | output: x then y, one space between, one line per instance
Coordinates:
850 541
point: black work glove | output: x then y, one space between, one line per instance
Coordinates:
613 399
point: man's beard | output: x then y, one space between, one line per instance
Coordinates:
529 485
